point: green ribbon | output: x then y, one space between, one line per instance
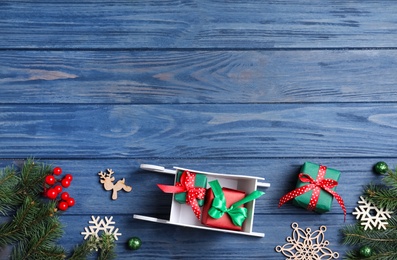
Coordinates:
236 213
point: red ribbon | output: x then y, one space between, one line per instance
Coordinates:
186 184
316 186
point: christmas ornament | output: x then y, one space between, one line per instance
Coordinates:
381 167
365 251
101 225
305 244
371 216
134 243
107 180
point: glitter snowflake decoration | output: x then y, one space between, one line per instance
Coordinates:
101 225
305 244
371 216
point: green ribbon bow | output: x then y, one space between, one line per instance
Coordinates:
236 213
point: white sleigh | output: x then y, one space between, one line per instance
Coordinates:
182 215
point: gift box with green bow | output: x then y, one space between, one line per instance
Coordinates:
224 207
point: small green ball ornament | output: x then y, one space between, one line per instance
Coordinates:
366 251
134 243
381 168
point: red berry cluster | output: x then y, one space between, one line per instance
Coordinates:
52 191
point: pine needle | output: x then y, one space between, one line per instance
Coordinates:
33 227
383 243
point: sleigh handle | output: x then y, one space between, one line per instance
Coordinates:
156 168
263 184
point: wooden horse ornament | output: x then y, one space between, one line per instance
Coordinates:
107 180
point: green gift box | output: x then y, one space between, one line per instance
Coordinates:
325 199
200 181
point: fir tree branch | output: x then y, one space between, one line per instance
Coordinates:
390 179
8 181
15 230
40 244
83 250
35 226
390 255
32 178
382 196
107 247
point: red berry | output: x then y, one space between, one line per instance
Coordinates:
65 196
50 180
58 189
65 183
68 177
63 205
57 170
70 202
51 194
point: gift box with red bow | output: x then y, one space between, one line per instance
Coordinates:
315 188
200 181
189 188
224 207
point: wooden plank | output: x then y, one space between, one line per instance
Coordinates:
172 242
153 77
198 131
197 24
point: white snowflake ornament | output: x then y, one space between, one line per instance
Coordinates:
105 225
371 216
305 244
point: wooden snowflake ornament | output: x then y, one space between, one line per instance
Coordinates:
100 226
370 216
107 180
305 244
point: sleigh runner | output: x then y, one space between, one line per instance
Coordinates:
182 214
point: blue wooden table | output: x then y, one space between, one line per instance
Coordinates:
242 87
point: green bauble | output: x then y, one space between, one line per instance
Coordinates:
381 167
134 243
366 251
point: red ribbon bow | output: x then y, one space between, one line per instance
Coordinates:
186 184
316 186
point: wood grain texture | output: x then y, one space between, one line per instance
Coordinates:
164 77
197 24
240 87
198 131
